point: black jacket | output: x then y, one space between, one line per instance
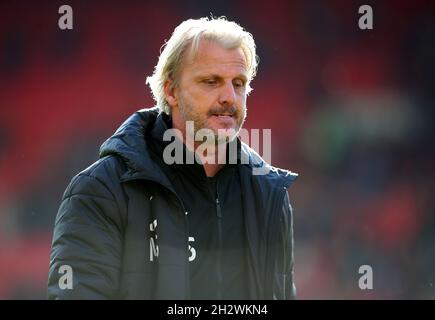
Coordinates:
102 229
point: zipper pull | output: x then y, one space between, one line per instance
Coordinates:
218 209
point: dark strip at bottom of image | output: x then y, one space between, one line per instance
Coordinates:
164 309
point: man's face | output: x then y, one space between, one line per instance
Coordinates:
211 90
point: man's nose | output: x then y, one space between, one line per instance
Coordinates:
227 95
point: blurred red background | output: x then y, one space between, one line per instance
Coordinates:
350 111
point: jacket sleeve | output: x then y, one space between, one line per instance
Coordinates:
284 282
86 248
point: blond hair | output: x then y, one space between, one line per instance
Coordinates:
229 34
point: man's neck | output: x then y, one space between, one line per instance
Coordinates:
212 169
212 159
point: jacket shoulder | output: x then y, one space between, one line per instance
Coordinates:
102 180
107 170
265 172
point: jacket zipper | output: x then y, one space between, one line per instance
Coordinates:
219 251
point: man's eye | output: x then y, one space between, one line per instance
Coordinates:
210 82
238 84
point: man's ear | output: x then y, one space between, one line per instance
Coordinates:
170 93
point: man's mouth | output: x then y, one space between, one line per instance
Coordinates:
223 114
224 118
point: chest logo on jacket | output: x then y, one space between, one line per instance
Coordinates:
192 249
154 248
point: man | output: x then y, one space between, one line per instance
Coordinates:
138 224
